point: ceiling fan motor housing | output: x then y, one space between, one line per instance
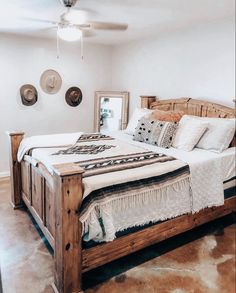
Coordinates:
68 3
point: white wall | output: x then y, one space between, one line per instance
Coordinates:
22 60
197 62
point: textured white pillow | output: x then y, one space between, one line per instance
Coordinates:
189 133
219 134
137 115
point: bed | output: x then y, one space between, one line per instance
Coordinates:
54 198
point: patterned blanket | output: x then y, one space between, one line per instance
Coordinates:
149 177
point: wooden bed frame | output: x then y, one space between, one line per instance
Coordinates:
54 200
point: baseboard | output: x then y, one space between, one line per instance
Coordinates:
4 174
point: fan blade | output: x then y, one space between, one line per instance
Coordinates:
107 26
48 29
39 20
83 26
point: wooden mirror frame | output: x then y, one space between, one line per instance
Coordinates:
111 94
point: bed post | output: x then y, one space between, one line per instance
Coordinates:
68 229
146 101
15 139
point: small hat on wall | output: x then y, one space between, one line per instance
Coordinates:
50 81
74 96
29 95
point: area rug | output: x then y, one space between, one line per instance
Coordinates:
199 261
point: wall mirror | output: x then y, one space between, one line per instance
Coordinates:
111 111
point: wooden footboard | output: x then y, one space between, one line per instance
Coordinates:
54 201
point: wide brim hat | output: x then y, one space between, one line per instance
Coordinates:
29 94
74 96
50 81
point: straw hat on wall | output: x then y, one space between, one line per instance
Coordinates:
50 81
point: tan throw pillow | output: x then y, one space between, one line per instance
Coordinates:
170 116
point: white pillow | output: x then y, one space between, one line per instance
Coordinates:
189 133
219 134
137 115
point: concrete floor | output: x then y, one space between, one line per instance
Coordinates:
205 265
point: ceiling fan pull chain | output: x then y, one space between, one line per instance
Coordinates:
82 46
58 49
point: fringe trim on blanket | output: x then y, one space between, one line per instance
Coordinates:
162 198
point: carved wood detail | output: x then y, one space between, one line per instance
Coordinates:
194 107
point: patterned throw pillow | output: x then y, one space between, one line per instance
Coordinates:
159 133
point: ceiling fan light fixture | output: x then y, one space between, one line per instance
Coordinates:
69 33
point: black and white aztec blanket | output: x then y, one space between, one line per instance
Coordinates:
94 137
126 178
122 177
91 149
118 163
84 149
124 185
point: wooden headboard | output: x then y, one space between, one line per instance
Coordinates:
188 106
191 107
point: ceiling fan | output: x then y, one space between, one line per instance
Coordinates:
72 25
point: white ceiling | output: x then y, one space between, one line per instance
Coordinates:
144 17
